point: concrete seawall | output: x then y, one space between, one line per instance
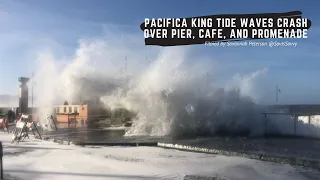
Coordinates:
309 163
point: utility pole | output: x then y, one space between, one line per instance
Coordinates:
32 94
277 92
207 78
126 69
125 65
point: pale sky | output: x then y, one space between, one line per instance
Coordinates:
34 25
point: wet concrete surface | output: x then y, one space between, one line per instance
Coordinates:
287 147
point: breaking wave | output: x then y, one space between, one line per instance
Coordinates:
172 92
178 101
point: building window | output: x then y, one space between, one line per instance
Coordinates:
82 108
64 109
75 110
57 109
70 109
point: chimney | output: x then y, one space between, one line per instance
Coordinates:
23 95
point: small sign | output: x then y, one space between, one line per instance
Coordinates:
20 127
23 128
20 124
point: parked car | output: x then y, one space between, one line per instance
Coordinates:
3 123
127 122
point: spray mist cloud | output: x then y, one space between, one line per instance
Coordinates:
171 93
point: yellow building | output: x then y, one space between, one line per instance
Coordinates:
67 113
79 113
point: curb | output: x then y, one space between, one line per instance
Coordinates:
152 144
315 164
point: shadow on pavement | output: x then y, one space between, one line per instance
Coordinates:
33 148
79 174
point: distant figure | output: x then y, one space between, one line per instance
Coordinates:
65 103
18 117
10 116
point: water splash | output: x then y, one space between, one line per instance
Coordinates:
170 92
173 99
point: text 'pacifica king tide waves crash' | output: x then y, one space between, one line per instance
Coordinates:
222 28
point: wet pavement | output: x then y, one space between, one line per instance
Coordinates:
292 147
281 147
96 134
